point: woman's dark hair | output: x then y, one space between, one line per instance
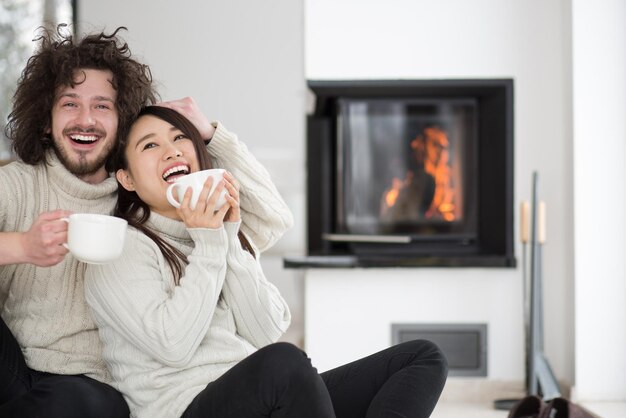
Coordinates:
130 207
53 65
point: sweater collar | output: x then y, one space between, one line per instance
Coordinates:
171 228
74 186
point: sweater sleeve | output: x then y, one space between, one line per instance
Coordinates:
133 295
266 216
15 184
261 314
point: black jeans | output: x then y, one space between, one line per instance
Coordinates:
279 381
29 393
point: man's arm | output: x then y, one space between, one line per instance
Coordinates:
11 251
41 245
188 108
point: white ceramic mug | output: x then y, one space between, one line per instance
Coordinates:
95 239
196 182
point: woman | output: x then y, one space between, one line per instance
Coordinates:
189 322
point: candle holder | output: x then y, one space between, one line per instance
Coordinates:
540 380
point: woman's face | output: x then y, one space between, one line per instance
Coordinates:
157 154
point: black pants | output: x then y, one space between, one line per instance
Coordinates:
29 393
279 381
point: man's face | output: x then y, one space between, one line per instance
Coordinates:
84 124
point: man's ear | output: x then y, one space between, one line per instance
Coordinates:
125 180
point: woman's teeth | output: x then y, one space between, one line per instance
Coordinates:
175 171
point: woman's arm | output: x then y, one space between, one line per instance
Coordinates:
135 297
260 312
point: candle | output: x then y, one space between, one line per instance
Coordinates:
524 217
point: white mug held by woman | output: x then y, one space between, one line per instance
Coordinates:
196 182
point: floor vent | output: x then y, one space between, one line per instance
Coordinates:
465 345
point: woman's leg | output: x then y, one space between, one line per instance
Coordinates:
277 381
403 381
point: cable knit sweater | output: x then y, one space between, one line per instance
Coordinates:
45 307
164 343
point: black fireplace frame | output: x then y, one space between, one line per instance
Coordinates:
494 245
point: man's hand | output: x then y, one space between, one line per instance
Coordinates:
42 244
189 109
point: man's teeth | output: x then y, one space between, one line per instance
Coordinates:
84 138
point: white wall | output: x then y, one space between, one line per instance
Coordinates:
525 40
599 64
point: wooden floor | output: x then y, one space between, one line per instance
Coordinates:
474 398
607 409
449 409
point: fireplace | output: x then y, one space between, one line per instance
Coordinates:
410 173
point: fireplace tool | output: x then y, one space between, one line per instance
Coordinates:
540 379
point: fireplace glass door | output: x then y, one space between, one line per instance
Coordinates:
407 167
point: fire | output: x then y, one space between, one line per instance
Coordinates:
392 195
429 191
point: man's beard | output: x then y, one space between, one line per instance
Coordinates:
83 166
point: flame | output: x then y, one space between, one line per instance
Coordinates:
431 151
436 163
392 194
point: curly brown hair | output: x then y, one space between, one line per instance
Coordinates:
54 64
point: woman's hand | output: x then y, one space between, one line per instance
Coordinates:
204 215
232 187
188 108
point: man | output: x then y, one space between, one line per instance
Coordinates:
74 99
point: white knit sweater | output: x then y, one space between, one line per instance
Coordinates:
164 343
44 306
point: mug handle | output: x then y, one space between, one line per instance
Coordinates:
65 243
170 198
